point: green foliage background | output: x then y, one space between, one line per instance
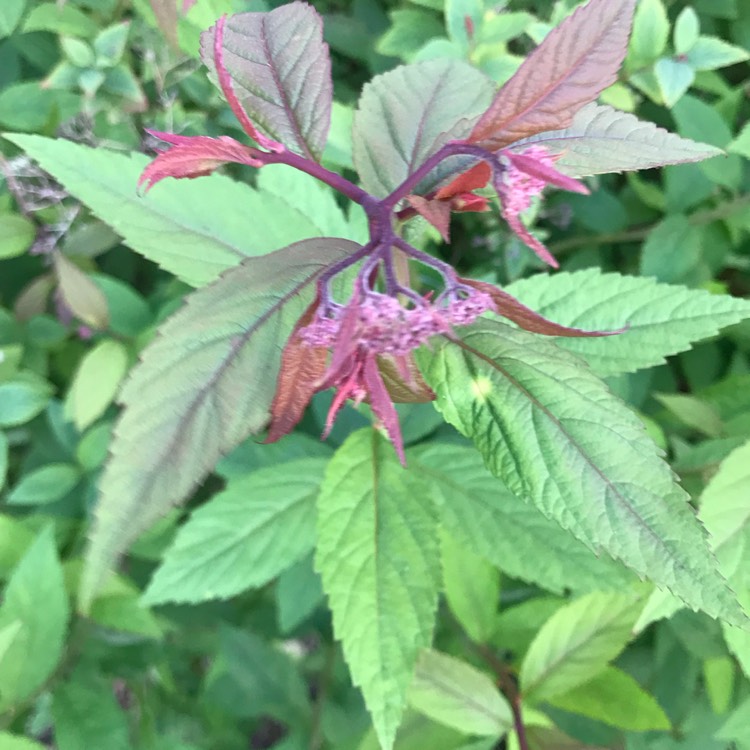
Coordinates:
232 645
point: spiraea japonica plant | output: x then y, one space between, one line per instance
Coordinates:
559 468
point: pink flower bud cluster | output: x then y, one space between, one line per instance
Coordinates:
385 326
520 187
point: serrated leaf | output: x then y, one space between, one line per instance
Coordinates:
570 68
404 116
243 537
456 694
378 556
95 383
662 319
194 229
615 698
202 386
578 641
536 415
485 515
601 139
281 73
35 596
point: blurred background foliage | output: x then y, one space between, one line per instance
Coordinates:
76 306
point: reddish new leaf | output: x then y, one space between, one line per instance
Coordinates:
165 12
437 212
473 179
570 68
195 156
509 307
545 172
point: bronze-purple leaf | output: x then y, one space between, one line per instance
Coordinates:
569 69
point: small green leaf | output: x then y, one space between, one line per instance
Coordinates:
378 557
77 52
710 53
410 30
81 295
674 77
3 459
59 19
686 30
45 485
472 588
22 400
692 412
96 382
650 33
203 385
7 635
243 537
36 597
462 18
578 642
15 742
719 678
10 14
456 694
299 591
16 235
615 698
741 144
109 44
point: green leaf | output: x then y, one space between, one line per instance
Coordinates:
741 144
7 635
472 588
456 694
710 53
15 539
10 14
686 30
404 116
36 597
109 44
602 139
203 385
242 538
535 414
672 250
298 593
578 642
47 484
280 72
84 298
15 742
194 229
86 714
719 678
483 514
410 30
95 383
662 320
692 412
674 78
22 400
3 459
27 106
457 14
650 32
16 235
378 556
615 698
59 19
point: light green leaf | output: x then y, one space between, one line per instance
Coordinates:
456 694
719 677
45 485
243 537
736 725
404 116
410 30
686 30
710 53
16 235
95 382
203 385
486 516
378 557
84 298
650 32
672 250
602 139
535 413
194 229
7 635
741 144
15 539
674 77
692 412
86 714
36 597
3 459
15 742
22 400
10 14
662 319
472 588
458 14
109 44
615 698
59 19
578 642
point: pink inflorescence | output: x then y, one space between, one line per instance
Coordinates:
385 326
520 187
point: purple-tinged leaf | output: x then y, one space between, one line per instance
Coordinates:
382 406
405 115
194 156
437 212
545 172
165 12
509 307
570 68
403 379
280 72
204 384
602 139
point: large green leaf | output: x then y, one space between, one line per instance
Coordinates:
10 14
456 694
662 319
281 73
202 386
602 139
379 559
194 229
554 434
260 525
578 641
406 115
488 518
35 597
